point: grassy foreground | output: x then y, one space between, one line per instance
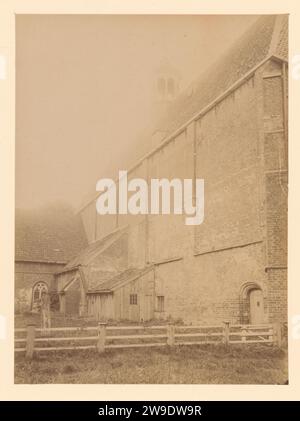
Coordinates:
251 364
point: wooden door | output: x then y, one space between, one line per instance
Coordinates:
147 313
256 307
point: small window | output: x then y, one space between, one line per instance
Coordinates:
160 303
133 299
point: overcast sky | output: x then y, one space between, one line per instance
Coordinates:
84 91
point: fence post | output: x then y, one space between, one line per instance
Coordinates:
101 337
271 336
277 331
30 341
226 333
171 335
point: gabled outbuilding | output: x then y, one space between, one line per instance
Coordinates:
100 282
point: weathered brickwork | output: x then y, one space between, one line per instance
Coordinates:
276 190
238 145
276 185
206 273
44 242
208 288
227 159
277 295
27 274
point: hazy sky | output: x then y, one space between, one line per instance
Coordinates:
84 91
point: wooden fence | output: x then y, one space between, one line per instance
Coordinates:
103 336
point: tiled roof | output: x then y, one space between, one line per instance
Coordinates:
268 35
119 280
49 235
251 49
93 249
281 47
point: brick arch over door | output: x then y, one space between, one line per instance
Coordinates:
252 303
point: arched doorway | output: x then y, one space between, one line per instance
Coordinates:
252 304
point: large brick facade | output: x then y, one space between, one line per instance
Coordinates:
236 141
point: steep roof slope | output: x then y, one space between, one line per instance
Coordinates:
48 235
94 249
121 279
268 35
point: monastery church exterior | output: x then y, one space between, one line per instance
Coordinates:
230 129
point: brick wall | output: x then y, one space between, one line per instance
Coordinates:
241 156
207 288
27 274
240 147
227 159
277 296
276 188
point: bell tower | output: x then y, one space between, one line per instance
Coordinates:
166 89
167 83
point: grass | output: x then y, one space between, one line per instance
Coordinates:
58 320
214 364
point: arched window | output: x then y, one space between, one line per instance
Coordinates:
37 291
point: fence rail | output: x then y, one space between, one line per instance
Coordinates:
109 337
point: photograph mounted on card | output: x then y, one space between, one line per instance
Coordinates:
151 199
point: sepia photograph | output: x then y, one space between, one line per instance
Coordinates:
151 199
